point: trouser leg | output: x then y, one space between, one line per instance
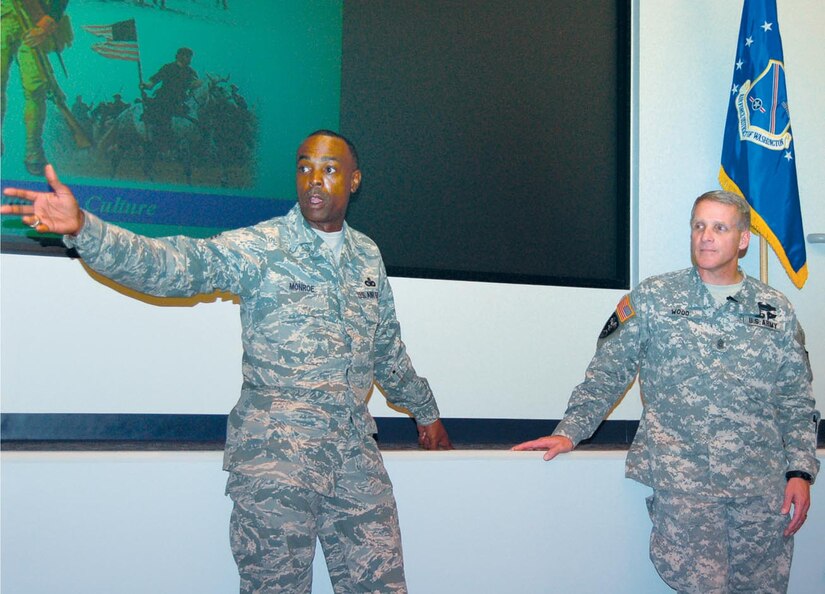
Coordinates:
358 528
688 543
760 553
272 535
702 545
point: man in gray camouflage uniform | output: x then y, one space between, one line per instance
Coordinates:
319 327
727 437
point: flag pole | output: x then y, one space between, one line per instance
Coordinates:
140 81
763 259
140 71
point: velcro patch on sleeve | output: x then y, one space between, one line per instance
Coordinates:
610 326
625 309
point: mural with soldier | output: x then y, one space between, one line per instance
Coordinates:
180 100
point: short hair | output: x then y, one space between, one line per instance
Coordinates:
725 197
350 146
184 51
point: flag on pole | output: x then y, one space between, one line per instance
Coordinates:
121 40
758 157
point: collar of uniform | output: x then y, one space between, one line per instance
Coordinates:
744 300
699 296
305 236
749 295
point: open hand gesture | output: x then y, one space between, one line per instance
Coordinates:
48 212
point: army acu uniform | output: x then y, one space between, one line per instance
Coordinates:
728 409
299 448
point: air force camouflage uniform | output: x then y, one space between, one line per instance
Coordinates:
299 448
728 409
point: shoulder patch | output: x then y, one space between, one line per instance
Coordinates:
610 326
625 309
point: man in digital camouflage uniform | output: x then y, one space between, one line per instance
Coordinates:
318 326
727 437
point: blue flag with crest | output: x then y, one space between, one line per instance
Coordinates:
758 157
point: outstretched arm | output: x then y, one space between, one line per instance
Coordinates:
554 444
177 266
47 212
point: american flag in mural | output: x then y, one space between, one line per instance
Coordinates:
120 40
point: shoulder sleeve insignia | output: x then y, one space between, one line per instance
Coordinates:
625 309
610 326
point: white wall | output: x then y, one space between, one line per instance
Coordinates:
483 355
471 523
69 344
